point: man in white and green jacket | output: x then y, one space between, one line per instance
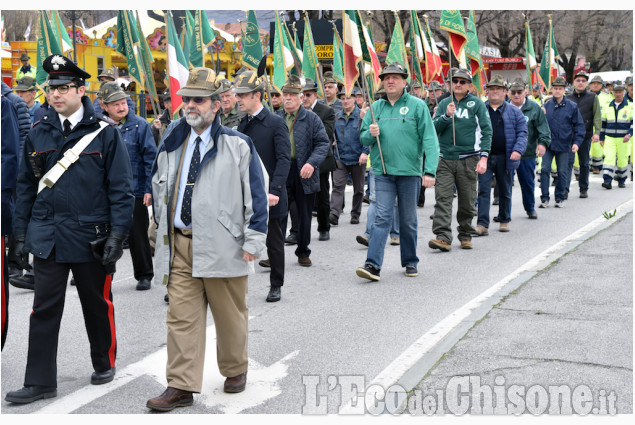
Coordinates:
465 137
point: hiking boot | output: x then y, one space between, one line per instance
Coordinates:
439 244
481 231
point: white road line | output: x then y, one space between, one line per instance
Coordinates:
398 368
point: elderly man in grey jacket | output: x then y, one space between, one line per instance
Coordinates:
210 205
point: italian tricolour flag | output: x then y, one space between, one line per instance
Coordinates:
177 66
352 50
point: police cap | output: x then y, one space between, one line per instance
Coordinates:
62 70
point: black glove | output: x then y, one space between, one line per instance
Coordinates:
113 249
21 255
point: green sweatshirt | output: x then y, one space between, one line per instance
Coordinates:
537 127
406 133
472 128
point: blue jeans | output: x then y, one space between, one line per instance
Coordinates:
406 189
496 165
562 180
527 182
370 214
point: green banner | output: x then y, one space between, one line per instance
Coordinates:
252 47
47 45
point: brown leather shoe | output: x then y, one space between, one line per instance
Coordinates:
236 384
481 230
304 261
504 227
171 398
466 245
439 244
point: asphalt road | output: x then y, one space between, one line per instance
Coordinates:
330 328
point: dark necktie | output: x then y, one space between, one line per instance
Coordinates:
186 208
67 127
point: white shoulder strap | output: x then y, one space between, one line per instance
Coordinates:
70 157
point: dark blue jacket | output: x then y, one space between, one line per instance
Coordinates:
137 136
311 145
24 117
10 148
41 111
566 124
515 127
349 145
270 135
95 191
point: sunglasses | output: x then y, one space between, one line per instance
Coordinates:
457 81
197 100
516 92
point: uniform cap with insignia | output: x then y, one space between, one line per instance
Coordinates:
416 84
596 79
62 70
559 81
496 81
328 78
248 81
356 91
292 85
394 68
581 73
108 73
460 73
434 86
24 57
200 83
310 85
224 85
618 85
26 83
517 84
111 92
166 94
629 80
536 86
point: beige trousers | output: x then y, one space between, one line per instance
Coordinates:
186 320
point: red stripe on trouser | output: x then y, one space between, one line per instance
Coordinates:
4 296
111 320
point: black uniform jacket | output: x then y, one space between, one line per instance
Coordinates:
95 191
270 135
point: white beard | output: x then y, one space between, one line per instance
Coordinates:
199 122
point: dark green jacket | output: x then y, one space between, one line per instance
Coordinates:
472 128
539 132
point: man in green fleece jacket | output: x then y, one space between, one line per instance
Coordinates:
405 131
465 137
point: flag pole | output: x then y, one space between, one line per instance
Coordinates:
450 84
550 50
372 113
146 71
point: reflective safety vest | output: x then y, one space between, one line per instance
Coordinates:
617 123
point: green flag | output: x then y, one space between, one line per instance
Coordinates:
416 48
338 73
252 47
397 49
473 53
128 45
282 57
60 32
47 45
548 67
452 22
310 62
147 60
202 36
186 35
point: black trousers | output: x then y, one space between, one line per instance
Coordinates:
139 243
293 214
323 201
304 207
95 296
275 250
5 294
